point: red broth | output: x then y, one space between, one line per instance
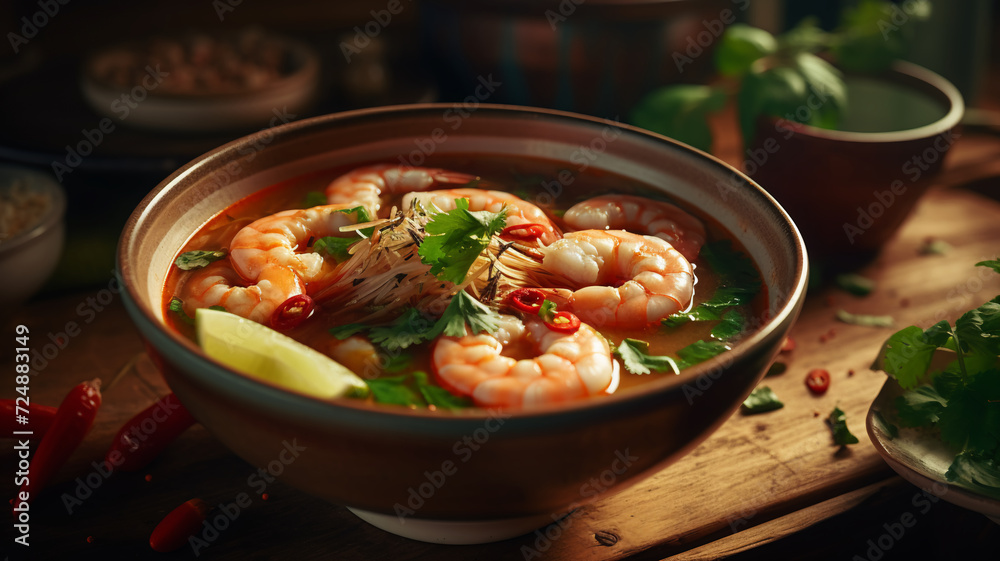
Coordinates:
549 185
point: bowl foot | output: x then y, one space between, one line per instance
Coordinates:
455 532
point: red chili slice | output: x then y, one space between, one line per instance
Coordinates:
529 232
527 300
818 381
563 322
292 312
788 345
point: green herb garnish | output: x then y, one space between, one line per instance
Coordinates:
414 390
198 258
176 306
637 360
837 421
335 247
865 319
547 310
411 328
456 238
700 351
739 284
314 198
855 284
465 310
761 400
438 396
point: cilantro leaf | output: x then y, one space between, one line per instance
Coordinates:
335 247
198 258
397 363
761 400
438 396
907 354
699 351
637 360
394 391
978 330
855 284
314 198
865 320
731 325
456 238
411 328
177 307
977 472
344 331
919 407
465 310
993 264
837 421
971 418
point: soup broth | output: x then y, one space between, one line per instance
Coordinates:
548 185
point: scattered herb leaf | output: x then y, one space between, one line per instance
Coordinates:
438 396
731 325
776 369
865 319
394 391
198 258
465 310
855 284
837 421
637 360
398 362
699 351
935 247
761 400
335 247
344 331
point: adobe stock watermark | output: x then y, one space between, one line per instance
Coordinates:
913 169
225 174
545 537
713 29
33 24
122 106
583 157
364 35
896 530
223 7
454 117
463 450
224 514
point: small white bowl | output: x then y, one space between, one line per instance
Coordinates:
28 258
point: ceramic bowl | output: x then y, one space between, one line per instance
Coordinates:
475 475
849 190
28 258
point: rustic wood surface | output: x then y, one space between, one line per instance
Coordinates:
756 480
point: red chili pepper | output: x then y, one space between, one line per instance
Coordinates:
292 312
528 232
144 436
527 300
71 423
818 381
563 322
788 345
180 524
39 418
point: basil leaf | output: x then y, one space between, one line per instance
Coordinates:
198 258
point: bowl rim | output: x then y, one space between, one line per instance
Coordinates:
365 416
906 74
38 181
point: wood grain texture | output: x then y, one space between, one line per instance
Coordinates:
757 476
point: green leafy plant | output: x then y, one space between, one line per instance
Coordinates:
781 76
962 399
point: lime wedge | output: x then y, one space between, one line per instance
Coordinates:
263 353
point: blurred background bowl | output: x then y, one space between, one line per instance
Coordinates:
535 465
850 189
28 257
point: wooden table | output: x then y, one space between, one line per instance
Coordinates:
764 486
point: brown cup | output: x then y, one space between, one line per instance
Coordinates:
850 190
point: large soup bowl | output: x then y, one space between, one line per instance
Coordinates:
474 475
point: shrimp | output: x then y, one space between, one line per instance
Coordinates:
519 211
568 366
276 241
367 186
625 279
643 216
218 284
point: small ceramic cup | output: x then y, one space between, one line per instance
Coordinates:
849 190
